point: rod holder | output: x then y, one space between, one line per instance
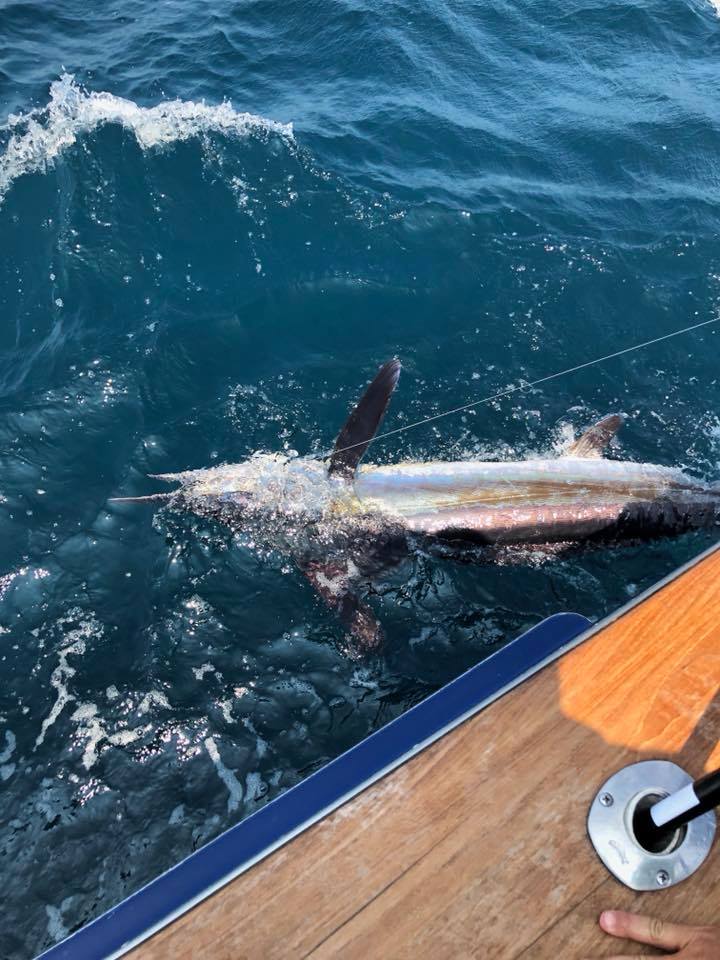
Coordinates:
615 826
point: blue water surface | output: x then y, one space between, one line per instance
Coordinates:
216 220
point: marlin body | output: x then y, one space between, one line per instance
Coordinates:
341 520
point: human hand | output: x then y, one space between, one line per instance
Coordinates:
686 942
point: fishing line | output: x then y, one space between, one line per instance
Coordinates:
527 386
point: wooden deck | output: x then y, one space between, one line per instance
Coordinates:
477 846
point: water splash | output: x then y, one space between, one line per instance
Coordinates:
39 136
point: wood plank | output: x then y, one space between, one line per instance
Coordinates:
477 847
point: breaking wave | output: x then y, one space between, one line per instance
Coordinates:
38 137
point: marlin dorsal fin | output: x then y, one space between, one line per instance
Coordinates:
596 438
363 422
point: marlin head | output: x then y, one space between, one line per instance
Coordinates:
297 488
288 484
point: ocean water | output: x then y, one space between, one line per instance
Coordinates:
216 220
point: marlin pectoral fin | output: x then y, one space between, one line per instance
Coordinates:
363 422
596 438
333 582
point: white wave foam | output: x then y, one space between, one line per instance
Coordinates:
226 710
201 671
7 769
39 136
10 744
232 783
715 4
154 698
91 726
63 673
254 787
56 928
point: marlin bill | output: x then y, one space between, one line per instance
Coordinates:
341 522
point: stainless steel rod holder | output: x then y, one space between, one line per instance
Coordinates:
615 810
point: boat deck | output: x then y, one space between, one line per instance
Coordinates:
477 846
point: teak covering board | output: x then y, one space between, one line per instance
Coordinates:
477 846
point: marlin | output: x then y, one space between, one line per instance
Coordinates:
340 521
